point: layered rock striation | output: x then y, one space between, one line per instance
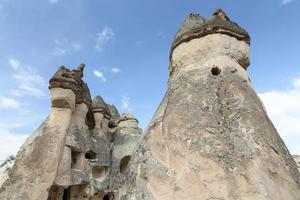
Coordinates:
81 151
211 137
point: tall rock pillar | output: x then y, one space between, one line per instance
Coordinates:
211 137
37 162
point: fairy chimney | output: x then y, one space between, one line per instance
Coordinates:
211 138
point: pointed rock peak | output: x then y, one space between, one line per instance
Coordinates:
114 111
80 69
99 105
191 22
194 16
98 102
221 14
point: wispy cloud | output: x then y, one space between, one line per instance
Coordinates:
285 2
284 109
53 1
28 82
115 70
8 103
59 51
162 35
100 75
125 100
65 46
10 142
103 38
76 46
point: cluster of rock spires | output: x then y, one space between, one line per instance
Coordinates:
81 151
209 139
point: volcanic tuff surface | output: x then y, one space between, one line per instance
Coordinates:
209 139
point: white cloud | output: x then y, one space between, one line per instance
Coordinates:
60 47
59 51
53 1
14 63
28 81
100 75
285 2
283 108
8 103
125 103
296 83
10 143
64 46
76 46
103 38
115 70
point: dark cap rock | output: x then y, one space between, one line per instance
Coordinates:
196 26
127 116
72 79
99 105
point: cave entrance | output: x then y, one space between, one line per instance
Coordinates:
124 164
108 196
76 159
90 155
99 172
66 194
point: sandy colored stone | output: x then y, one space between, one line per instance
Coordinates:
62 98
37 161
5 170
211 137
297 160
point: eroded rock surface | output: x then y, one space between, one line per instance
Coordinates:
211 137
81 151
5 168
297 160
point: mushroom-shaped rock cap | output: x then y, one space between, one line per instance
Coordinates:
72 79
196 26
99 105
128 116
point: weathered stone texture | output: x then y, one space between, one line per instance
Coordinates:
79 150
297 160
211 137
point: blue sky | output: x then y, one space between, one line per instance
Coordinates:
125 46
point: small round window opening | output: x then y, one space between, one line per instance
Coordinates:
216 71
108 196
90 155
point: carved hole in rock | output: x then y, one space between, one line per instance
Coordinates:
75 159
215 71
55 192
99 172
66 195
124 164
90 155
89 120
108 196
